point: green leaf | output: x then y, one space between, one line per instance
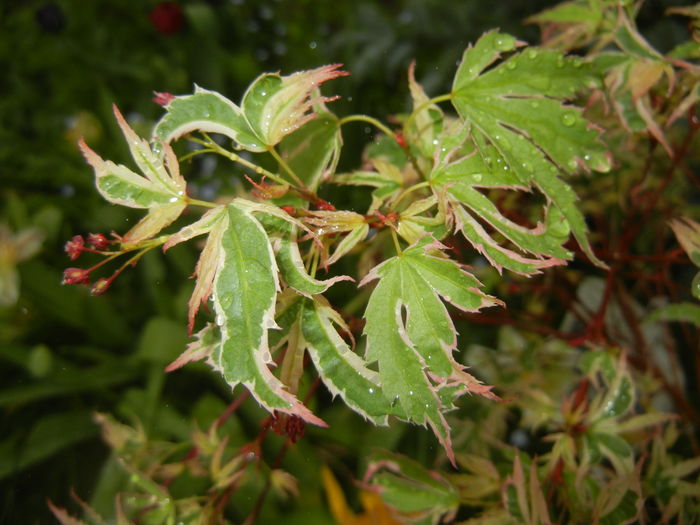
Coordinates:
410 333
329 223
411 489
244 294
275 106
517 106
208 112
295 275
387 180
161 189
687 232
426 126
681 312
51 434
343 371
460 179
313 150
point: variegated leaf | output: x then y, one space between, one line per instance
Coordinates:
273 107
245 291
161 189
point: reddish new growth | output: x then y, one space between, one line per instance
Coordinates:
76 276
75 247
95 243
291 426
266 191
163 98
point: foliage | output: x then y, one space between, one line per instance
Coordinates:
472 200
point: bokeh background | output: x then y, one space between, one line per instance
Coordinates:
65 354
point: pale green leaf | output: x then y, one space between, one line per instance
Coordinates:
687 232
329 224
681 312
161 189
387 180
411 489
518 107
427 123
313 150
245 290
275 105
201 226
203 347
209 112
295 275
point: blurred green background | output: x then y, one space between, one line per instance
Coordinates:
65 354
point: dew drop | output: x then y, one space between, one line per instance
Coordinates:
312 44
410 392
527 166
532 53
534 104
173 199
477 177
435 142
263 93
371 390
577 62
568 119
511 64
504 43
572 164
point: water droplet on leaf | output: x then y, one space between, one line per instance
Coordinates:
568 119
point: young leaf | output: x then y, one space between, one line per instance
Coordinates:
161 189
458 179
343 371
424 129
517 106
387 180
245 290
410 333
338 222
313 150
295 275
208 112
275 106
411 489
204 346
212 222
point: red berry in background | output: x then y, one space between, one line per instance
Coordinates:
167 17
